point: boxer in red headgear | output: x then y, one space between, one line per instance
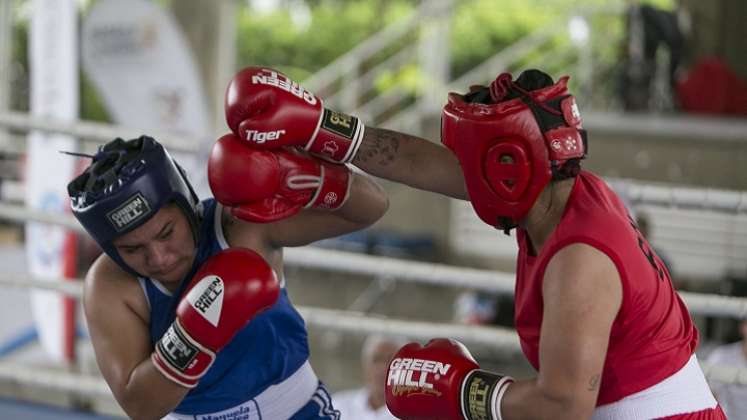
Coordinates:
509 150
595 309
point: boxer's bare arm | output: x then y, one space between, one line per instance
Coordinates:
412 161
582 295
367 202
117 315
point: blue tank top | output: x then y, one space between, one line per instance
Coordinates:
268 350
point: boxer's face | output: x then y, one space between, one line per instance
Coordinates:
162 248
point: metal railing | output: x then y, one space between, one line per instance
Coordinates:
345 83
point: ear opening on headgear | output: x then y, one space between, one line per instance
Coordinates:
507 170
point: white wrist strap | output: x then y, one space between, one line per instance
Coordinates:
481 393
500 390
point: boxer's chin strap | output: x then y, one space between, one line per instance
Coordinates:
482 392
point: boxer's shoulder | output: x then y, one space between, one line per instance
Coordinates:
107 284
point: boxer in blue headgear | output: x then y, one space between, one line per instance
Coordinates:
136 202
125 185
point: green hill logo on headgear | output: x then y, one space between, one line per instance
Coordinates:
134 209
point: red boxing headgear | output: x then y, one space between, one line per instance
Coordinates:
510 149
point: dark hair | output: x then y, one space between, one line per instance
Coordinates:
528 80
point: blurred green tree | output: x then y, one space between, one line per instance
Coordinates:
302 44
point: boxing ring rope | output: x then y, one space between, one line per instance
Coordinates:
720 200
347 321
638 192
93 132
663 195
57 380
681 197
502 339
412 271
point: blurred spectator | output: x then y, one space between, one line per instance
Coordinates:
481 308
712 87
475 308
647 29
732 397
368 403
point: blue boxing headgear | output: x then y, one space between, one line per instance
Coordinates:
125 185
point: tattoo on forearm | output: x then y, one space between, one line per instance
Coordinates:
379 145
594 382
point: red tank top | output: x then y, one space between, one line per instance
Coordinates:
653 335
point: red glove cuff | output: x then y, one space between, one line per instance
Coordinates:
334 189
266 211
180 358
337 137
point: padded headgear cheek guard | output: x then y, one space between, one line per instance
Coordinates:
509 150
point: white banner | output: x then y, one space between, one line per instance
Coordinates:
141 64
54 94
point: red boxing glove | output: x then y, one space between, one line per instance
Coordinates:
265 186
269 110
230 289
442 381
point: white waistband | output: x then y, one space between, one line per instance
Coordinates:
279 401
684 392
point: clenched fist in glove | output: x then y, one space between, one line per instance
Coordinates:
269 110
442 381
228 290
264 186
